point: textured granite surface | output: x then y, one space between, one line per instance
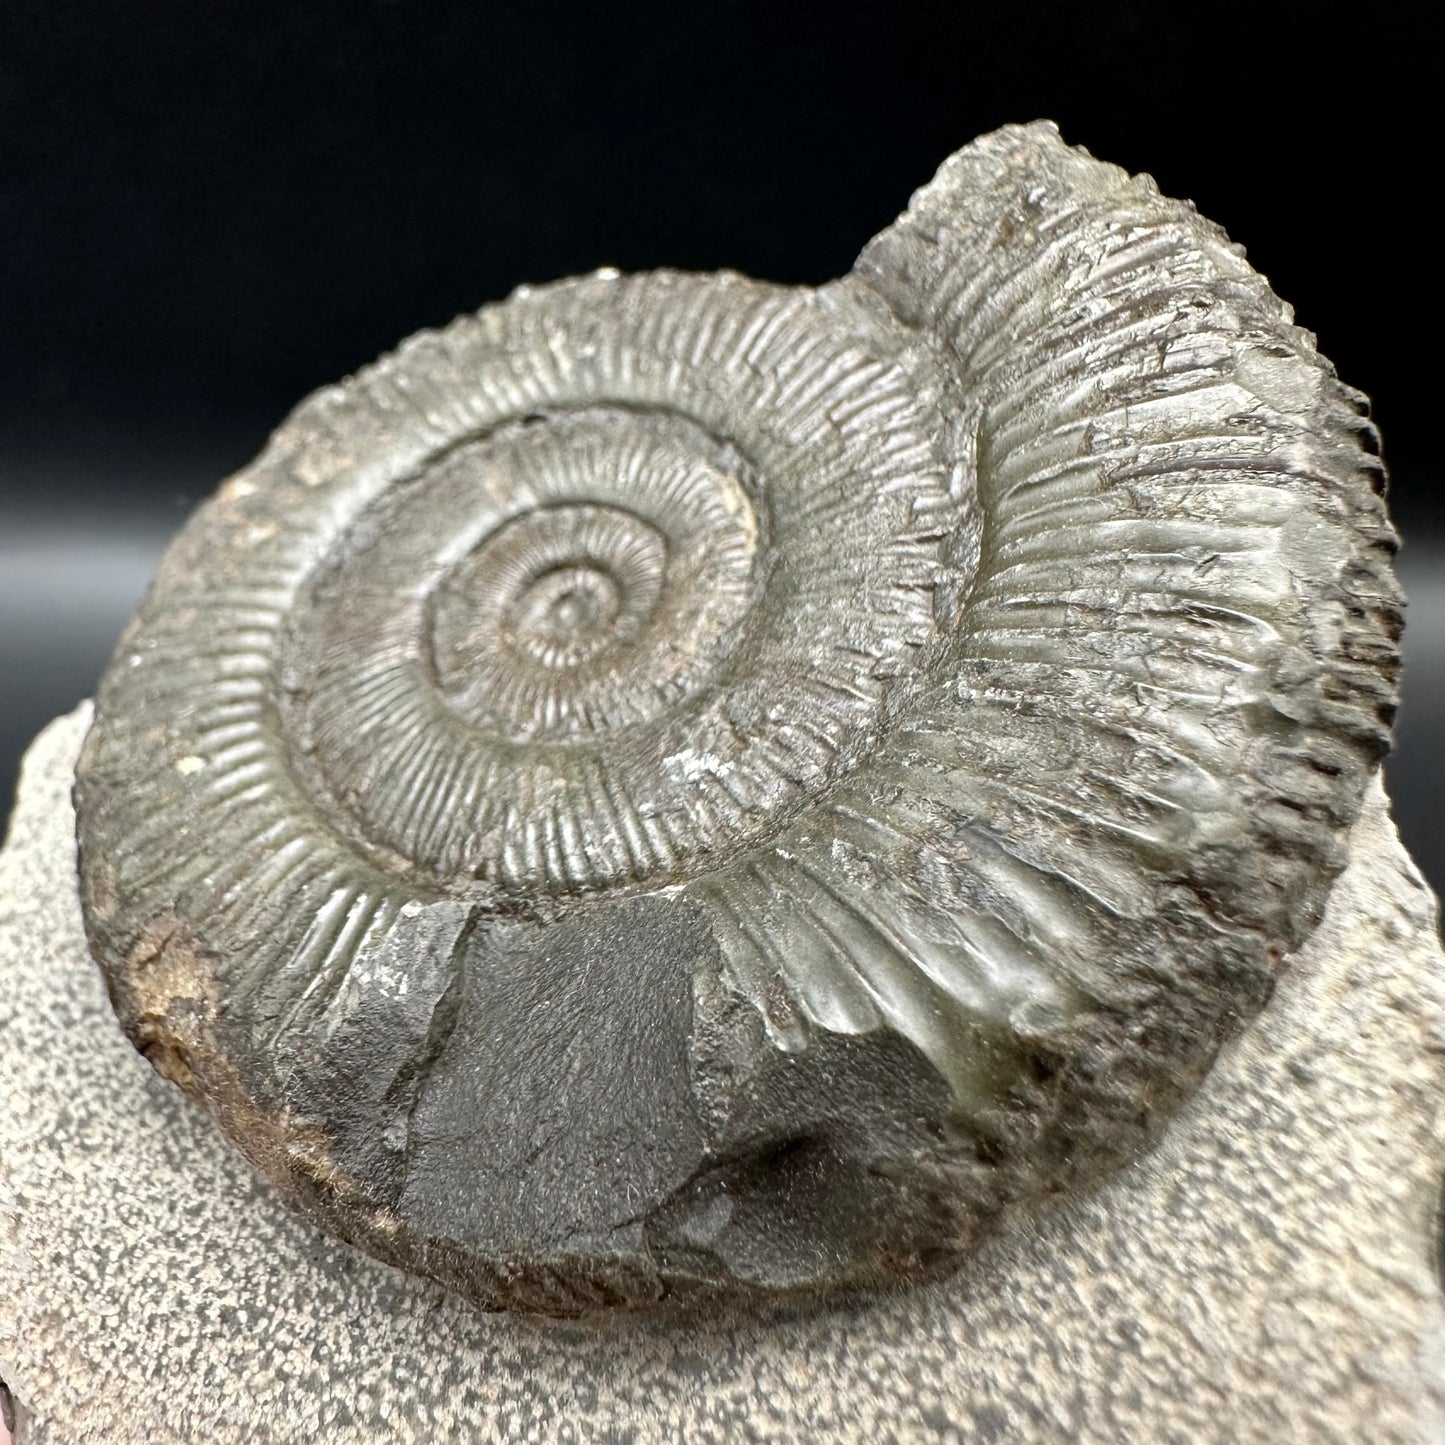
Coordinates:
1268 1274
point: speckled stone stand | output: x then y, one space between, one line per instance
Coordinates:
1268 1274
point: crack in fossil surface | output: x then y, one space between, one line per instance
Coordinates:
692 785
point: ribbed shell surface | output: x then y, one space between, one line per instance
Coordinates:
676 785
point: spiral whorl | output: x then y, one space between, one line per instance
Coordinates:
676 783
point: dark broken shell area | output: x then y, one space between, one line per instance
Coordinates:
675 787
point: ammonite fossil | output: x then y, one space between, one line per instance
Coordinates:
673 784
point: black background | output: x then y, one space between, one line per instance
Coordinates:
209 209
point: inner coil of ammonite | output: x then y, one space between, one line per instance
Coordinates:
577 621
677 785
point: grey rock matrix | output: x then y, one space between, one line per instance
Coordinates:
675 787
1266 1276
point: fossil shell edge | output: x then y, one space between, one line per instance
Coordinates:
674 786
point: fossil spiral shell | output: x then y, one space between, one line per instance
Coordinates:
677 784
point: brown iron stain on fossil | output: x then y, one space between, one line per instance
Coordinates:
679 786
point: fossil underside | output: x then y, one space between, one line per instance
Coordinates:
674 784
